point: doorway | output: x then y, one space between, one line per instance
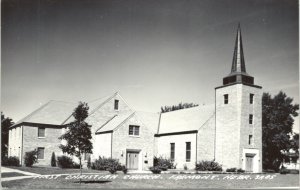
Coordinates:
249 163
132 162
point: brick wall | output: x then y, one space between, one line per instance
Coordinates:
144 143
51 142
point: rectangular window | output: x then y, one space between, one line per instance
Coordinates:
41 132
250 119
172 155
225 98
188 151
116 107
250 139
41 152
134 130
251 98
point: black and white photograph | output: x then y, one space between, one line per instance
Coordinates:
150 94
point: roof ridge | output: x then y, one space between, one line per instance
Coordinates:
106 123
94 110
198 106
31 114
132 114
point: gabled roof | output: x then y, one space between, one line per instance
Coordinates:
52 113
151 120
114 122
189 119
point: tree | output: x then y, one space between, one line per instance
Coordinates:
277 123
6 122
78 135
177 107
53 160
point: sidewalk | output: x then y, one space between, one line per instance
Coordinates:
9 170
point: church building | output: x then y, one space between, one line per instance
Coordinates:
228 132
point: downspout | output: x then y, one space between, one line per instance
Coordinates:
111 144
196 146
21 157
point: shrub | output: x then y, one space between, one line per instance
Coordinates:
53 160
240 170
293 171
231 170
124 169
30 158
185 167
208 166
10 161
284 171
155 169
269 171
106 164
65 162
163 163
75 165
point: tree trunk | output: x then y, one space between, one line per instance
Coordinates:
80 168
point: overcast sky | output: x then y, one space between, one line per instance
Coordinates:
155 53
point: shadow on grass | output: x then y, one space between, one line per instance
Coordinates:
92 181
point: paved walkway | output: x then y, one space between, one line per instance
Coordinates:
10 170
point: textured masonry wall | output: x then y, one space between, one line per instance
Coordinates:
98 118
144 142
206 140
164 149
228 120
232 124
256 128
50 142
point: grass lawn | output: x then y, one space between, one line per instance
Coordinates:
53 170
163 181
11 174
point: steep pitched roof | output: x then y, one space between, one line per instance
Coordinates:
185 119
151 120
52 113
114 122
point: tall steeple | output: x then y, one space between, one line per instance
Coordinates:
238 62
238 72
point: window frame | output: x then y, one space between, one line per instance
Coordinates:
116 104
39 148
172 152
250 141
135 130
251 119
251 98
188 149
41 137
226 98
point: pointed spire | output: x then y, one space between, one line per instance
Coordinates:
238 72
238 62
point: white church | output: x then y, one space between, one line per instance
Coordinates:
228 132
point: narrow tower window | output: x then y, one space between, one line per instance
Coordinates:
41 132
225 98
250 119
250 139
188 151
251 98
172 151
116 104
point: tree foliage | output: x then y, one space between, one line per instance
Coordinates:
6 122
177 107
78 134
277 123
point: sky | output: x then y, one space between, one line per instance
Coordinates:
154 53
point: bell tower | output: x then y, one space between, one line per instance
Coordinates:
238 116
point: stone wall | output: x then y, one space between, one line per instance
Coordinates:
144 143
